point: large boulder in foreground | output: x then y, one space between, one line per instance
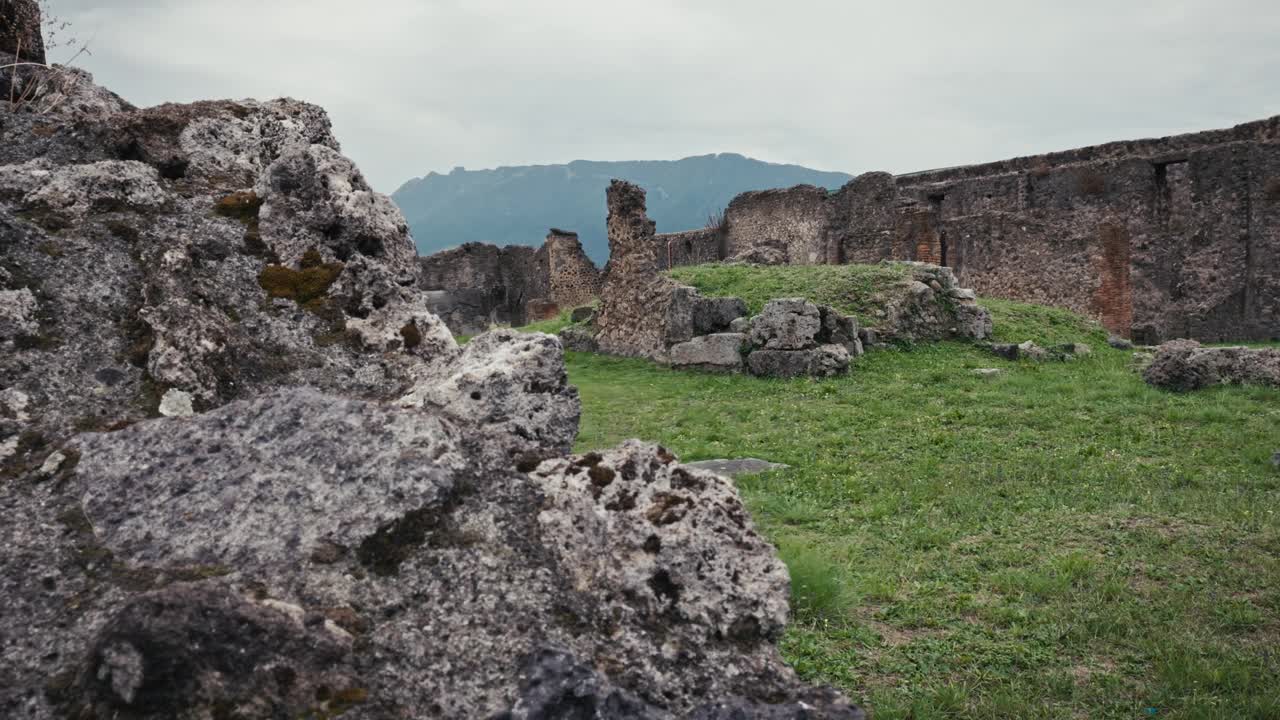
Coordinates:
1183 365
302 553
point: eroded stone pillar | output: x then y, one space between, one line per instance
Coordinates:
20 30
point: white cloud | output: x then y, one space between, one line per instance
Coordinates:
417 85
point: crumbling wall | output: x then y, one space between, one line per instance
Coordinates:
780 226
691 247
574 280
1171 237
478 284
636 299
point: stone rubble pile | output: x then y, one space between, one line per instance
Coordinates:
1183 365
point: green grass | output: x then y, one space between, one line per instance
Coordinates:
552 326
852 289
1061 541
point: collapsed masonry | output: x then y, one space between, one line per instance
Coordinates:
645 313
1173 237
475 286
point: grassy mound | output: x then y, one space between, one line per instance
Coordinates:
853 289
1060 541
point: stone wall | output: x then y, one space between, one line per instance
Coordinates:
574 279
1172 237
779 226
636 300
477 285
691 247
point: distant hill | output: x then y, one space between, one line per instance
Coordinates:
516 205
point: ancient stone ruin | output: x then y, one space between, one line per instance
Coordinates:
1175 237
644 313
347 514
1183 365
475 286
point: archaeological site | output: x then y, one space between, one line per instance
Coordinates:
992 441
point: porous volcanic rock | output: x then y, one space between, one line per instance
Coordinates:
353 552
1182 365
786 324
719 352
343 513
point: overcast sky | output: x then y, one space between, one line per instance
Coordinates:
420 85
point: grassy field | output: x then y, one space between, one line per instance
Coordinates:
1061 541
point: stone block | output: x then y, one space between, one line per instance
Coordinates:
722 351
786 324
714 315
780 363
829 361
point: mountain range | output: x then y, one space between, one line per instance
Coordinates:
516 205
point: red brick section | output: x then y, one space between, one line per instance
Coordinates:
1113 301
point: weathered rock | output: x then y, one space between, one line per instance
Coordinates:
1071 351
780 363
839 329
558 687
829 361
338 517
714 315
719 352
310 191
407 326
138 511
786 324
1008 351
176 403
167 653
580 338
512 388
1119 343
972 322
869 337
914 312
17 315
740 325
1182 365
582 314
